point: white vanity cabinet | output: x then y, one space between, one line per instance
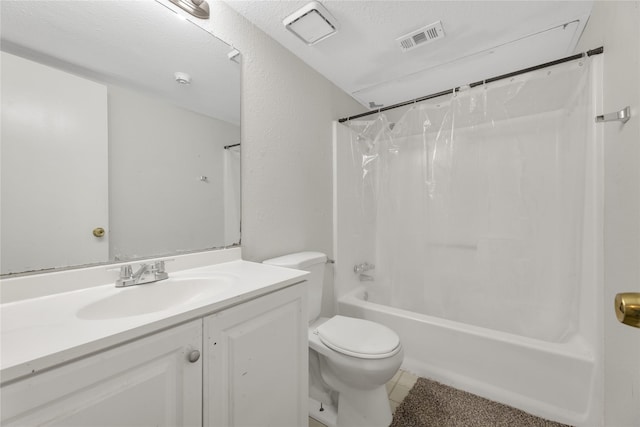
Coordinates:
256 362
244 365
147 382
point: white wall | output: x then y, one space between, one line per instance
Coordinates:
287 109
616 26
158 203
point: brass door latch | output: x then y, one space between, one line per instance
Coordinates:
627 306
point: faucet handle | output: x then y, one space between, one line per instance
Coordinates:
365 266
159 265
126 271
126 276
158 270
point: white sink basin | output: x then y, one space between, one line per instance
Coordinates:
153 297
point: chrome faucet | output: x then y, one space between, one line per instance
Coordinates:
146 273
361 268
137 276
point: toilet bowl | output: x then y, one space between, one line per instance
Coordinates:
358 375
349 358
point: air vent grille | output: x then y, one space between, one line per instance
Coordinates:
421 36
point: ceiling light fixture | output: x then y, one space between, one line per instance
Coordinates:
312 23
198 8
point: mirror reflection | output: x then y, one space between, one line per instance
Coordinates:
120 135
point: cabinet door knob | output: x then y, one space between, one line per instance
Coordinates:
194 356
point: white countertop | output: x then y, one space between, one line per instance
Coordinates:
39 333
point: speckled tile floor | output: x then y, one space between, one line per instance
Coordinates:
397 389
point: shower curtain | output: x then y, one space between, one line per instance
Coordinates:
232 216
476 202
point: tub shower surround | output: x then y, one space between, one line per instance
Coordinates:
481 211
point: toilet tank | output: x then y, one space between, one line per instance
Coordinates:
314 263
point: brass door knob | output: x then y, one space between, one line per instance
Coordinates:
627 307
98 232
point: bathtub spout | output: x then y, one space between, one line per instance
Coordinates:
365 278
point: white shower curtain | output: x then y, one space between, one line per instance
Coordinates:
232 211
477 200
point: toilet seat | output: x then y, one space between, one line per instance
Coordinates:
358 338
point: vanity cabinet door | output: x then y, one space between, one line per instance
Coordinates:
256 367
148 382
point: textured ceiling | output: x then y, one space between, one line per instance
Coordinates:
136 44
483 39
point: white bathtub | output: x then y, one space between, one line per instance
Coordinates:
556 381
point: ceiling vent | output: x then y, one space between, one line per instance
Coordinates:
312 23
421 37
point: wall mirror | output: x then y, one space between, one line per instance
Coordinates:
120 135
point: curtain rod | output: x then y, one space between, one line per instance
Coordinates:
226 147
591 52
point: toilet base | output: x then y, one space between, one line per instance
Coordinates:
328 416
364 408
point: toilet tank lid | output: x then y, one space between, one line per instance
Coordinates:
300 260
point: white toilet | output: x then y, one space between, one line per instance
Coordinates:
350 360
